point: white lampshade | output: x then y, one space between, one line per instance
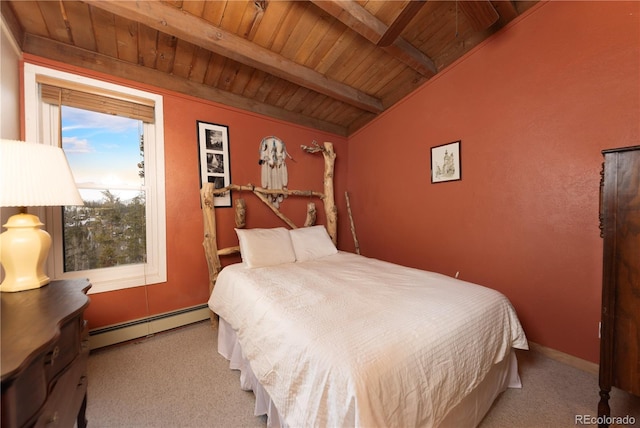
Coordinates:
35 175
31 175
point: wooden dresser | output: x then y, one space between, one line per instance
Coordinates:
45 348
620 228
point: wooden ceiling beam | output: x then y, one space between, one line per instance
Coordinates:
173 21
507 11
371 28
399 24
355 17
46 48
480 13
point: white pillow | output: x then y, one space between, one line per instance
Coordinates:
265 247
311 243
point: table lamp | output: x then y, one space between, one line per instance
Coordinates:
31 175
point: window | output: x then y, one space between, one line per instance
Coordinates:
106 154
113 139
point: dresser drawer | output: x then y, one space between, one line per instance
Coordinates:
66 394
63 351
24 396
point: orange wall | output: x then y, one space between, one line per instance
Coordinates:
187 274
534 106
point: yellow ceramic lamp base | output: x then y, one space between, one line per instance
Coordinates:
24 248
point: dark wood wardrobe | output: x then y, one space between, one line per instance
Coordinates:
620 230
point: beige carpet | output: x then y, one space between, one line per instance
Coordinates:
178 379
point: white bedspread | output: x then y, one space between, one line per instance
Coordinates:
351 341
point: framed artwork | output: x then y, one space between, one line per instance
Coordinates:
445 162
213 154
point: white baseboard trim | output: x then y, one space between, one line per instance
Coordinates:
570 360
111 335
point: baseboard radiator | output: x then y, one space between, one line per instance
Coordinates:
111 335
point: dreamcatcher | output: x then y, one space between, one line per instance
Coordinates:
273 154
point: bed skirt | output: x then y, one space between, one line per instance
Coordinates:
469 412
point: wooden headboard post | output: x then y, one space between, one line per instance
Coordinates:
209 243
329 201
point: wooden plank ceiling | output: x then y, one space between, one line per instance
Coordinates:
332 65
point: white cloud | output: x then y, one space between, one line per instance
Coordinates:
76 145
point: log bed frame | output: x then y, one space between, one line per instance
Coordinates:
207 194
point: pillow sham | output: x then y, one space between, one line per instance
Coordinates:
265 247
312 242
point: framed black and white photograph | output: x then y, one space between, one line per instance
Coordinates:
445 162
213 152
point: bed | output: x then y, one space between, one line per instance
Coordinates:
331 338
328 338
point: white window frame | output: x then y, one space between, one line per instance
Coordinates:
41 125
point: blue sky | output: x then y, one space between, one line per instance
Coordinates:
102 150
